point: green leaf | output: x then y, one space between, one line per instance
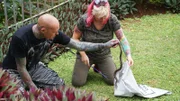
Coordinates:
1 72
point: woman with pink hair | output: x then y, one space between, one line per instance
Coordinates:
98 25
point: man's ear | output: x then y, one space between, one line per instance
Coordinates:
43 29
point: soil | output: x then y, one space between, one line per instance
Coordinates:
147 9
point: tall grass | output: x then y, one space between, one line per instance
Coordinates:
155 46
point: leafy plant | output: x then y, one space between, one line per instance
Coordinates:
1 15
61 94
13 11
1 56
174 5
156 1
139 1
122 7
10 91
8 85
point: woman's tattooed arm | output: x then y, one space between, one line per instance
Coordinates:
123 41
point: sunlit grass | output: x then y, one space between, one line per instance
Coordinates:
155 49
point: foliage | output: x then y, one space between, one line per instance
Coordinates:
10 91
21 9
61 94
1 55
139 2
156 1
174 5
122 7
1 15
11 6
8 85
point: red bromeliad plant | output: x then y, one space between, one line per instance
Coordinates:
8 85
61 94
9 91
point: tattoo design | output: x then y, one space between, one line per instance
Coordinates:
87 46
21 67
123 41
119 34
21 62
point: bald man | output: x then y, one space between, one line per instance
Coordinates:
31 42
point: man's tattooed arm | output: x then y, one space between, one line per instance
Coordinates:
21 67
88 46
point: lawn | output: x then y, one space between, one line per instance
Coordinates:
155 46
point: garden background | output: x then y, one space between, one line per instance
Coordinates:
151 26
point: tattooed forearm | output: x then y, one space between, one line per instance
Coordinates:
125 45
86 46
21 67
119 33
123 41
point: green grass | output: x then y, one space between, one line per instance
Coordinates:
155 46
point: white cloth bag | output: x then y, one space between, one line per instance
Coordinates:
125 85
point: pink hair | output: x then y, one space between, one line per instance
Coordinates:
90 17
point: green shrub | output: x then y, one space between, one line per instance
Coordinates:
139 1
156 1
173 5
122 7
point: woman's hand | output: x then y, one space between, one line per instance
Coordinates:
130 60
85 59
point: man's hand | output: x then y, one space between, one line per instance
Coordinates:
112 43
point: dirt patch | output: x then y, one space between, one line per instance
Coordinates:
152 82
143 9
147 9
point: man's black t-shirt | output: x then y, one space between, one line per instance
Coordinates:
25 44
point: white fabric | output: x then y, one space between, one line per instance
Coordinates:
126 85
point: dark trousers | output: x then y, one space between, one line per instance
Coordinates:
42 76
80 72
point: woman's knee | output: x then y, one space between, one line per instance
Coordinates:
109 81
78 83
